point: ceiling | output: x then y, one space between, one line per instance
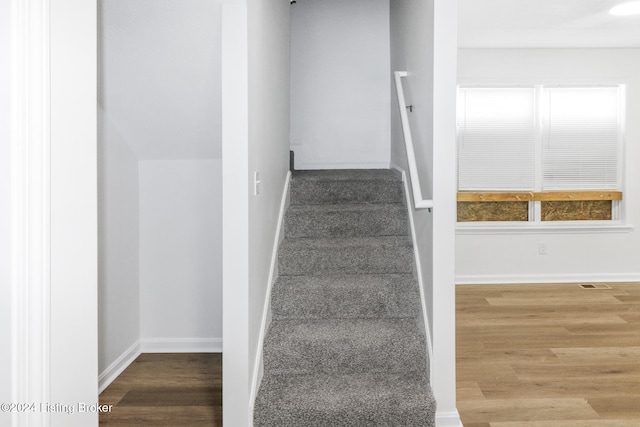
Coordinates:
544 24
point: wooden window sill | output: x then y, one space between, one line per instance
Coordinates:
536 196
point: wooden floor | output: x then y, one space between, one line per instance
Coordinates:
167 390
548 355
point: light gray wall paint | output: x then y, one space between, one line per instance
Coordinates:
161 78
570 256
412 51
118 285
268 150
340 83
160 97
256 127
180 249
5 196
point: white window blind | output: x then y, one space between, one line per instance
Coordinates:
496 138
580 137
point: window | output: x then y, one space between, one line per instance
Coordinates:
555 149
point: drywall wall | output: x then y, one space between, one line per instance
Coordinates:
577 256
255 85
340 84
118 285
5 197
162 76
423 43
180 254
412 51
160 98
268 154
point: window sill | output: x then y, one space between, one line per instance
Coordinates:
551 227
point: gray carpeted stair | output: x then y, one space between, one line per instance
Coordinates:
346 344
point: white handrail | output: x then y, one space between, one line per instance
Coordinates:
418 201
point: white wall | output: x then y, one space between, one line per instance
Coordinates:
162 76
269 110
423 43
180 254
118 285
256 138
412 51
160 93
571 256
339 84
5 233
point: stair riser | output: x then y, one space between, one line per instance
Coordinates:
292 301
299 352
387 222
336 192
381 259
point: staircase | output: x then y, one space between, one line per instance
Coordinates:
346 345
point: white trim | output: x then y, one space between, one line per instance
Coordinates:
568 227
339 165
448 419
118 366
416 254
181 345
266 311
485 279
30 207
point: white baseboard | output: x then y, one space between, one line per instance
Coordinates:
448 419
266 311
480 279
181 345
118 366
156 345
301 165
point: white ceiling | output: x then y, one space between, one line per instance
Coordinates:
545 24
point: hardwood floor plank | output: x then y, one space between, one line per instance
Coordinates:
198 416
619 406
182 389
172 396
469 390
526 409
556 389
565 423
548 355
599 354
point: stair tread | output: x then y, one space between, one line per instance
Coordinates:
319 187
344 345
367 399
359 330
342 207
344 242
345 296
347 175
346 220
352 255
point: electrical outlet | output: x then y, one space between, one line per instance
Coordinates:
256 183
542 248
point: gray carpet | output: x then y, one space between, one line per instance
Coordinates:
346 345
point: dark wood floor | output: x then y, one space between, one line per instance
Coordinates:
169 390
548 355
